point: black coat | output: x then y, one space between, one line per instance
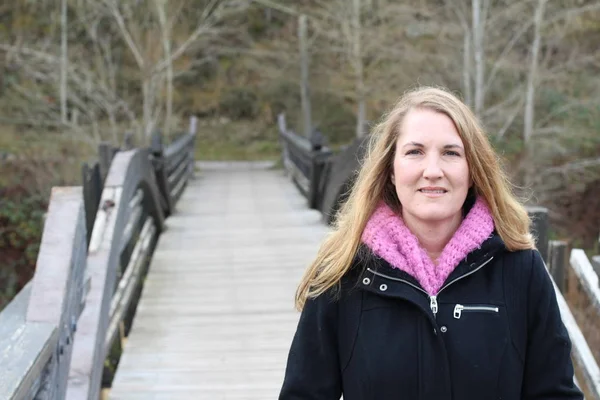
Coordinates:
496 334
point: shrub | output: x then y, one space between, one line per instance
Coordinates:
239 104
21 224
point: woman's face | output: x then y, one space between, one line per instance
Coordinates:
430 173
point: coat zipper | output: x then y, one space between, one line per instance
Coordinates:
459 308
433 304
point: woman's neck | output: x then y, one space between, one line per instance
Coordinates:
433 237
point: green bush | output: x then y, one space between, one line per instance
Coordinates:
334 118
239 104
21 224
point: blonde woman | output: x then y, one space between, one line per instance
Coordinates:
429 286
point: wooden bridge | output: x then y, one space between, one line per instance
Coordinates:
164 278
216 316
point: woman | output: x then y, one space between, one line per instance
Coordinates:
429 286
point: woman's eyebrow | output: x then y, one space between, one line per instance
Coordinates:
416 144
448 146
453 146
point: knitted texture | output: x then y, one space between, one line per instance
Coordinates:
389 238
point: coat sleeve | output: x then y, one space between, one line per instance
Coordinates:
548 365
313 370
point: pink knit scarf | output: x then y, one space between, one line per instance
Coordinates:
389 238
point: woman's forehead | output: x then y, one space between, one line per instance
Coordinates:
428 126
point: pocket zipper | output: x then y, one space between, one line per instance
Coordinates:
459 308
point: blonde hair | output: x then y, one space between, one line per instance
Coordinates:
373 184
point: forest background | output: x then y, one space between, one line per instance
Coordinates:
75 73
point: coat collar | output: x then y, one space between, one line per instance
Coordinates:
372 265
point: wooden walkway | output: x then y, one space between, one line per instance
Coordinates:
216 316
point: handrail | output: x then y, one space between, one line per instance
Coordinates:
50 348
588 281
37 327
306 160
580 349
587 276
129 172
174 166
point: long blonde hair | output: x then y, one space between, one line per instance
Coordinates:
373 184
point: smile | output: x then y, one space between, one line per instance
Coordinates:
433 191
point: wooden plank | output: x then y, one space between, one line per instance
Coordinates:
12 317
24 360
216 316
57 287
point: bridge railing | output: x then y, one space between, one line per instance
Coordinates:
580 283
55 334
307 161
173 165
336 178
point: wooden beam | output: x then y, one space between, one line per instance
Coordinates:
58 283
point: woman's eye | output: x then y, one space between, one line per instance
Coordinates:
452 153
412 152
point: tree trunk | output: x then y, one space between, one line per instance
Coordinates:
530 94
304 85
467 68
63 62
478 31
147 94
166 39
359 70
532 76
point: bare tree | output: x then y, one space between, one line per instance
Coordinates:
64 61
532 77
100 94
355 36
479 11
340 24
304 81
153 69
166 41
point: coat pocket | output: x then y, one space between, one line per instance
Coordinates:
460 308
476 337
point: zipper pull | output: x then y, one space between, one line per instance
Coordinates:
458 310
433 304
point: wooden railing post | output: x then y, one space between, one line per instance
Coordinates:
128 141
92 190
539 228
558 260
106 153
596 264
158 162
318 167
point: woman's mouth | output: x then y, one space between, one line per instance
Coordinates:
433 191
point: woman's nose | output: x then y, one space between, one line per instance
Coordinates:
433 169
